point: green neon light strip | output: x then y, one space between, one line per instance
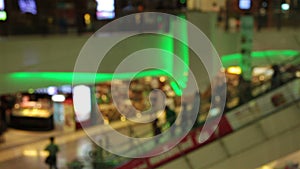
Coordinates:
67 77
166 43
184 51
3 15
228 59
59 78
84 78
180 49
176 88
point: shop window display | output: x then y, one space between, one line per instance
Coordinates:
32 112
132 102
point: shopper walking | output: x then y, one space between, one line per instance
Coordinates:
276 77
2 139
244 90
170 118
53 149
156 129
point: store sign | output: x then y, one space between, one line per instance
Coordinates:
3 14
245 4
82 102
105 9
2 6
28 6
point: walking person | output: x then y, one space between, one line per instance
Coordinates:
53 149
2 138
170 118
245 90
156 129
2 127
185 115
276 77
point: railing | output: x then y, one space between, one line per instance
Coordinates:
240 117
258 108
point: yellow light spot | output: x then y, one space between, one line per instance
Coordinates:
104 97
298 74
106 121
162 79
266 167
17 106
261 78
234 70
87 18
30 153
44 153
123 118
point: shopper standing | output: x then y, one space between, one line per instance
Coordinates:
53 149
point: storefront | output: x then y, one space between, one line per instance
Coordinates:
67 108
134 102
32 112
44 109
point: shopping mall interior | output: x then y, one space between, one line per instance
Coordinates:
218 80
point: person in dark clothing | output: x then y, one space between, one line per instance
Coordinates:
156 128
185 115
53 150
2 139
245 90
276 79
170 118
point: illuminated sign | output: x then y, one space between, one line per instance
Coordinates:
2 6
245 4
285 6
82 102
27 6
58 98
105 9
234 70
3 16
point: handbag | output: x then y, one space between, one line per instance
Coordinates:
48 160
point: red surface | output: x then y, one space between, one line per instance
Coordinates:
186 145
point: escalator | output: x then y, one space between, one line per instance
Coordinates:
248 136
